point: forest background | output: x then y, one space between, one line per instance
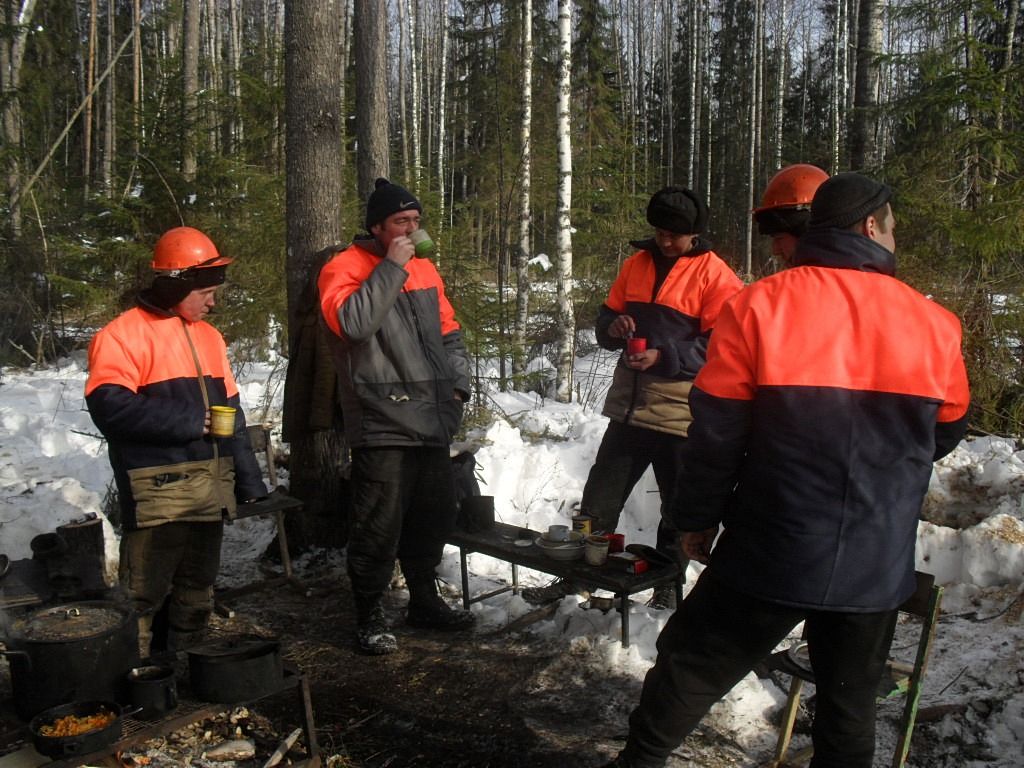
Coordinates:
533 133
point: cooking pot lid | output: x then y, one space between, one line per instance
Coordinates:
234 649
75 621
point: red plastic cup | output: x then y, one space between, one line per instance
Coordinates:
616 542
636 346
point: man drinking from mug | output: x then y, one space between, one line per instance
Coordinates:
403 377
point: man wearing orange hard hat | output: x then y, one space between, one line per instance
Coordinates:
786 207
155 373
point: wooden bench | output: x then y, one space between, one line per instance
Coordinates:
499 542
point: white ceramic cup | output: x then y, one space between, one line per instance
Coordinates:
558 533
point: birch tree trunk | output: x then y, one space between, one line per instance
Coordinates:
371 94
90 81
782 38
442 97
403 97
838 82
109 110
864 128
236 130
521 319
136 78
313 199
190 87
753 140
566 321
18 18
414 58
1011 38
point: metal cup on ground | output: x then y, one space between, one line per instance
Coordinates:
222 420
154 689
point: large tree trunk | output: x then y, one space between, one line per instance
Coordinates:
313 199
189 88
519 360
566 320
18 18
372 160
864 129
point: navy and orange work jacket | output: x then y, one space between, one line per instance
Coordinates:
675 303
143 394
830 389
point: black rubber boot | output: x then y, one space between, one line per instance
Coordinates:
428 611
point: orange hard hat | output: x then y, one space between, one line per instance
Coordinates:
792 187
184 248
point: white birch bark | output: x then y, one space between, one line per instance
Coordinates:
190 87
522 263
566 322
442 104
12 54
90 81
109 113
414 87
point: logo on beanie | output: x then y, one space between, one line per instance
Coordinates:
407 203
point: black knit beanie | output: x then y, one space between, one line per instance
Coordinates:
845 199
678 210
386 199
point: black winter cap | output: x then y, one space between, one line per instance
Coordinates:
386 199
678 210
845 199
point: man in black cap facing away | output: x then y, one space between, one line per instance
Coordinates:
830 389
403 377
667 294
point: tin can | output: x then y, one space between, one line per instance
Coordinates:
583 523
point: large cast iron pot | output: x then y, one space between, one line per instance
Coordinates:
73 652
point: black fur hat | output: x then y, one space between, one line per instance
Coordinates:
678 210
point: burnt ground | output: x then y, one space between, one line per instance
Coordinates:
444 699
494 699
491 698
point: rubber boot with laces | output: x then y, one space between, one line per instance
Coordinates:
374 635
556 590
427 609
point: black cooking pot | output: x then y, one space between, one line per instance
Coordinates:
235 670
83 743
73 652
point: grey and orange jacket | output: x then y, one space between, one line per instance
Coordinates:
830 389
397 347
143 394
675 303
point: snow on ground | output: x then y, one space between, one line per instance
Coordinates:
533 457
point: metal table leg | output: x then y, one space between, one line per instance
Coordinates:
465 578
623 600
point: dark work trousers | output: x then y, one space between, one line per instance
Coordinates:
403 505
622 459
718 634
179 560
